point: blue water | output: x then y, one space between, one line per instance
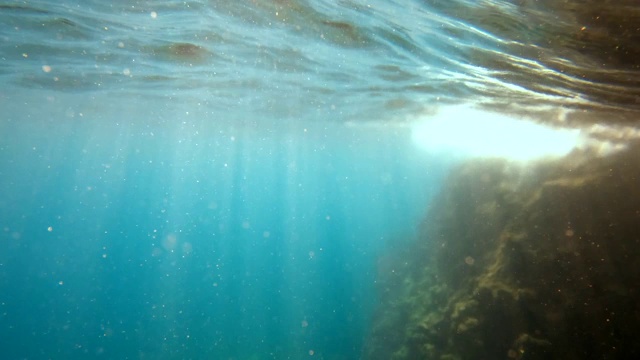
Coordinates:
192 239
216 179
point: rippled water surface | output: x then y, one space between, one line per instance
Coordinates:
215 179
344 60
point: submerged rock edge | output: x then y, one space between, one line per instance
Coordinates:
519 263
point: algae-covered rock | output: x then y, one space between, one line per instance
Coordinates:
515 262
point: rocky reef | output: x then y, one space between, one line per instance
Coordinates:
515 262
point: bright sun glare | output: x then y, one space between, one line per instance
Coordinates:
468 131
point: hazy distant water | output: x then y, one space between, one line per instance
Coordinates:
132 237
188 180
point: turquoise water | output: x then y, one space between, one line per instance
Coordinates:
197 240
216 179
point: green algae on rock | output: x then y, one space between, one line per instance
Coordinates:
537 262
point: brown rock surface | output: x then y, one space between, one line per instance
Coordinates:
537 262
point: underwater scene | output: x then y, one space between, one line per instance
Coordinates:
313 179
